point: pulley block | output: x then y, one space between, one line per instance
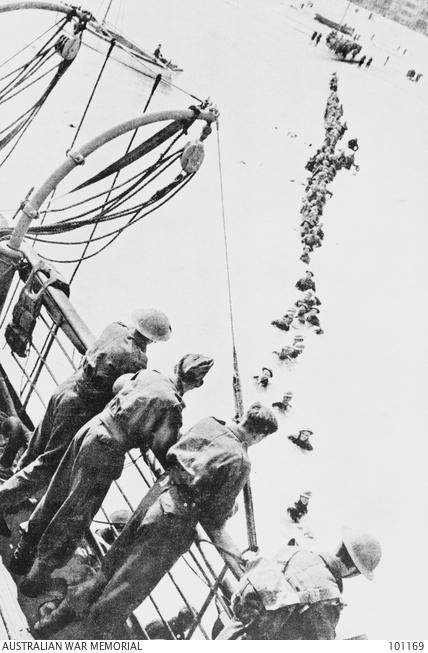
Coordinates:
192 157
68 47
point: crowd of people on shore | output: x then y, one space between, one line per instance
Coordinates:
347 49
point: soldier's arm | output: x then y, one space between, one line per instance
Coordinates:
167 434
320 620
227 548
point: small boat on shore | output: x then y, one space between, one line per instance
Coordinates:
345 29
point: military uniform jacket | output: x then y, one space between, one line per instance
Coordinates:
149 406
116 352
72 404
119 350
211 464
301 591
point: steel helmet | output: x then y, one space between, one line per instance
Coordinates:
364 549
120 517
152 324
306 495
194 367
269 371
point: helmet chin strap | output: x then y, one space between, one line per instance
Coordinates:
348 572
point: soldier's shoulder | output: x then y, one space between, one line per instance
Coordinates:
209 423
112 329
159 386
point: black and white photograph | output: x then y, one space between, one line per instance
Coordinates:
213 421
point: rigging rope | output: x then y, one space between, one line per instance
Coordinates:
113 184
70 224
52 335
17 128
237 388
136 212
130 222
42 52
31 43
75 222
20 130
97 81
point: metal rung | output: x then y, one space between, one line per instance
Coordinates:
42 358
27 377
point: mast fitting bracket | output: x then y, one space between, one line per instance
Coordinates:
76 157
29 210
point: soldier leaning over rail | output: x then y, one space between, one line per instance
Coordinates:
297 595
146 413
119 349
207 469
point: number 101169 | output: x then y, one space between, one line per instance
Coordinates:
406 646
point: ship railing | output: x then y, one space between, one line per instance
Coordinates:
201 580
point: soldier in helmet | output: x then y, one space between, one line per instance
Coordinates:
353 144
311 299
307 282
116 523
264 378
297 594
174 628
285 322
302 439
119 349
300 507
305 257
299 343
146 413
285 353
289 353
285 403
302 310
312 317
